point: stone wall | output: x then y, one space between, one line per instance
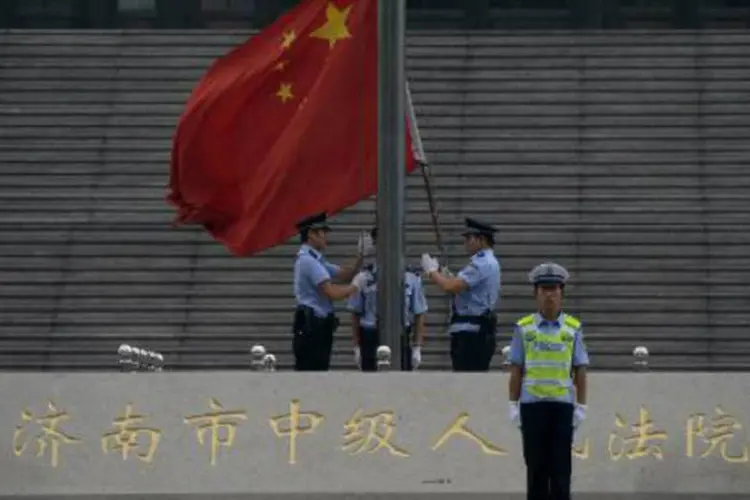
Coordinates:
394 435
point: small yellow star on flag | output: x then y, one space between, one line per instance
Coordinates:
285 92
288 38
335 27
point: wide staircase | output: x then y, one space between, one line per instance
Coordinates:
622 155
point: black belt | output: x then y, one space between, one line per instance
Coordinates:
310 312
472 320
407 328
305 318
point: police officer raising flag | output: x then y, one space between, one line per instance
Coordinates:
476 289
314 320
364 308
547 388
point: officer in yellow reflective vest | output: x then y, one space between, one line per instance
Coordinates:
547 389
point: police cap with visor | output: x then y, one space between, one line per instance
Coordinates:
317 221
477 228
548 273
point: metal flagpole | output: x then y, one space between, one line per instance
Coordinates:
391 166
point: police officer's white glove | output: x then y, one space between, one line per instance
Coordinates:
358 357
365 245
416 356
429 264
514 413
360 280
579 415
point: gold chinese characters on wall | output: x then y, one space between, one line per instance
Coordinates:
129 435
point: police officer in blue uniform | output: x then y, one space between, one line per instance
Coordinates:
364 308
476 289
314 320
547 388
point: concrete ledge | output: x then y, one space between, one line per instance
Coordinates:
397 496
334 435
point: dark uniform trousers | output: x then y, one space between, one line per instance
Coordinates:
369 341
313 340
473 351
547 431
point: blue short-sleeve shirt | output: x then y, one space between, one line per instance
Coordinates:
482 275
365 303
311 269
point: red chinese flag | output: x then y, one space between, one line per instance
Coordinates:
283 127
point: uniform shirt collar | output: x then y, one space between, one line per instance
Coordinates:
557 323
481 253
307 248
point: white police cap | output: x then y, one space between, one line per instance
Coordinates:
548 273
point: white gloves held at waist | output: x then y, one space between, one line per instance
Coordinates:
579 414
514 414
416 356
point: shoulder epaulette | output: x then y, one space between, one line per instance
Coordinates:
526 320
572 322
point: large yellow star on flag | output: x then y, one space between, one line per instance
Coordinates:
335 27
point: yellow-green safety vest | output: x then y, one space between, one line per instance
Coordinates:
548 357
